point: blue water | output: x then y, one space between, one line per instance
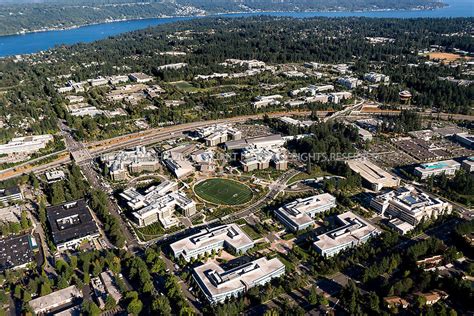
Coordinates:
35 42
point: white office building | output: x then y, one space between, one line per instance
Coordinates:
410 205
230 236
218 284
426 170
299 214
26 144
135 160
158 203
354 231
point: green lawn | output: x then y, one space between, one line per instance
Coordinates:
223 192
185 86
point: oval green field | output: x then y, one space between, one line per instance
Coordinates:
223 192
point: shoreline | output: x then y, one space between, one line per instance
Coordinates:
222 14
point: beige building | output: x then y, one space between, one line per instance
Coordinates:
374 176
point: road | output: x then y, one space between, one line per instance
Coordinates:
84 160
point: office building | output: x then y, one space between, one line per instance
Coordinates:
294 122
55 176
10 194
426 170
409 204
353 231
140 77
373 175
54 301
217 134
218 284
468 164
466 139
349 82
299 214
175 66
176 161
376 78
264 101
17 252
337 97
136 160
26 144
158 203
71 224
231 237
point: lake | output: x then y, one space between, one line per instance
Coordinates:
35 42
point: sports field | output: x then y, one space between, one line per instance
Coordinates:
223 192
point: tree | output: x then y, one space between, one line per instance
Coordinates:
45 289
89 308
313 296
161 305
110 303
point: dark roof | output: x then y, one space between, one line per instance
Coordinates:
70 221
15 251
9 191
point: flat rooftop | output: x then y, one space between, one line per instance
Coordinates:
215 281
55 299
353 229
16 251
438 165
231 234
70 221
373 173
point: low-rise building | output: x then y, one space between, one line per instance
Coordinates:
354 230
259 158
101 81
47 303
373 175
136 160
410 204
108 279
396 302
250 64
118 79
71 223
264 101
217 284
337 97
86 111
349 82
158 203
400 226
299 214
55 176
26 144
176 161
175 66
205 160
218 134
230 236
468 164
140 77
375 77
364 134
10 194
17 252
426 170
294 122
466 139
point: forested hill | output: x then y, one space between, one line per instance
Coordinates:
33 15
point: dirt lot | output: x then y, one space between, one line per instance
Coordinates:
446 56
